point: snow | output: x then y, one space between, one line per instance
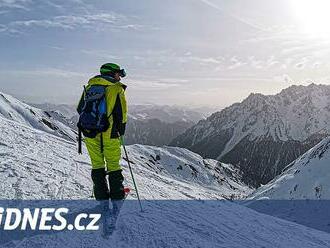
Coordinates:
301 193
189 224
165 113
305 178
13 109
37 164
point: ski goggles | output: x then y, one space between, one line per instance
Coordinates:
122 73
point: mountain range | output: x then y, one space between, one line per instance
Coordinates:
264 133
147 124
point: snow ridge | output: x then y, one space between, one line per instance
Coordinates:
15 110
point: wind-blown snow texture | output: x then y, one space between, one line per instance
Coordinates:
263 134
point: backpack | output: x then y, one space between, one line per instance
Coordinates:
93 118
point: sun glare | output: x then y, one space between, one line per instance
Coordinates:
313 16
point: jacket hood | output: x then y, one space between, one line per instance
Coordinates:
102 80
105 80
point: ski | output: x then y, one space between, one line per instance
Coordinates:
109 225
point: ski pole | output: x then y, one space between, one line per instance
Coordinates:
130 169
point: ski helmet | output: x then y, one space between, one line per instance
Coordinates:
112 68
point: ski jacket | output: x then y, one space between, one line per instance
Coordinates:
116 104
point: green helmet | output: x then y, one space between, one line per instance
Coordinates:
112 68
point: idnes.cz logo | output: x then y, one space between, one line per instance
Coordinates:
46 219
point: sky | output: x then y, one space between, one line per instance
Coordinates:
176 52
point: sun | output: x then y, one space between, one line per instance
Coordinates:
313 16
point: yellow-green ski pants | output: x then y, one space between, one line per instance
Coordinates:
111 152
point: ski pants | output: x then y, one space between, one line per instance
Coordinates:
110 156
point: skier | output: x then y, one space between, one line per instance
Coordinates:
104 146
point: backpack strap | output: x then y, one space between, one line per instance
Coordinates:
101 138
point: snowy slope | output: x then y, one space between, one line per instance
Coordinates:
263 133
67 110
37 165
188 170
13 109
306 178
189 224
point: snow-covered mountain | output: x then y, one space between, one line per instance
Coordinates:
305 178
38 165
15 110
263 133
153 131
165 113
159 124
67 110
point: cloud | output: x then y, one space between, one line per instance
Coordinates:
283 78
235 63
301 64
101 53
151 85
257 64
316 65
208 60
51 72
199 60
69 21
3 28
236 17
14 4
56 48
97 22
173 80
